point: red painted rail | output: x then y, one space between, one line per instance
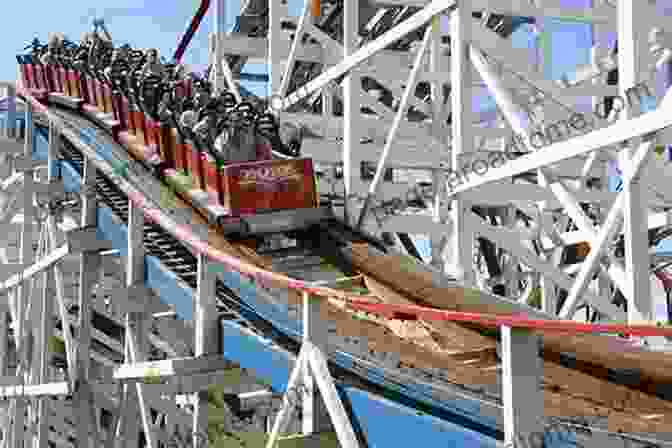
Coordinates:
193 26
411 312
361 302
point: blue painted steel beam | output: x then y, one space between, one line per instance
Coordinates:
382 422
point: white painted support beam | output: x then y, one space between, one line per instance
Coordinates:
257 48
411 155
136 326
440 112
35 390
22 296
274 43
206 334
89 266
402 155
547 8
35 268
219 19
522 395
557 152
655 221
134 339
46 313
376 126
502 192
293 52
4 337
314 334
582 221
461 237
60 298
325 383
632 50
355 59
253 400
609 229
351 103
171 367
408 91
509 242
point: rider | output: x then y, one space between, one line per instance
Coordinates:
50 58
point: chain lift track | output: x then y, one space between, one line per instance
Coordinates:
516 228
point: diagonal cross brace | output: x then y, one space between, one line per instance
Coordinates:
583 144
311 361
407 26
610 228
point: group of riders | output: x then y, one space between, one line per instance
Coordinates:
213 121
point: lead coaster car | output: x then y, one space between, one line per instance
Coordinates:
241 189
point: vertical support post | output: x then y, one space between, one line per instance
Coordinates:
219 13
329 91
137 327
274 45
57 271
4 310
462 139
631 23
11 112
598 52
351 113
23 291
438 127
4 411
46 312
314 332
4 316
128 424
548 292
510 270
521 381
46 309
206 340
89 264
327 111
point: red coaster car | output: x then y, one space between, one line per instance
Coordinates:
269 185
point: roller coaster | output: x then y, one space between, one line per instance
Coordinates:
188 264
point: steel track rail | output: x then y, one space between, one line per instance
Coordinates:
351 370
357 372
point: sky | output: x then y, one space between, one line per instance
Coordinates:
142 23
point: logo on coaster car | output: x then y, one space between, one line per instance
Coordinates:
269 174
